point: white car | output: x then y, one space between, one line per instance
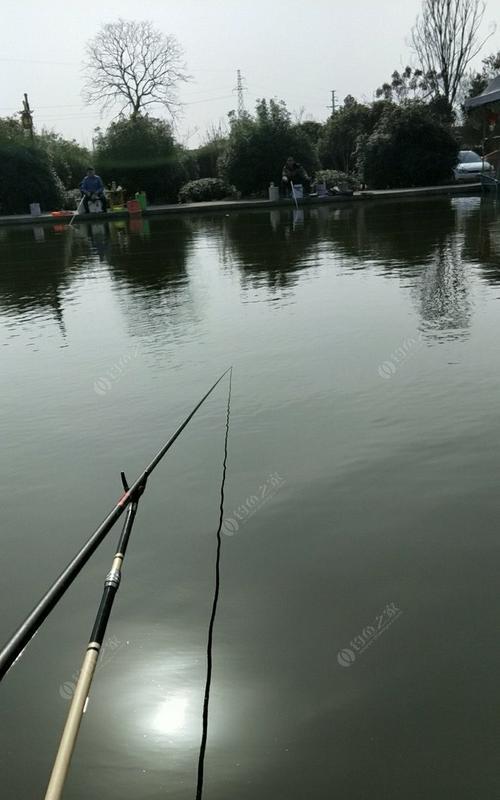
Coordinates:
470 166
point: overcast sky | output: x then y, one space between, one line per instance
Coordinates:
296 50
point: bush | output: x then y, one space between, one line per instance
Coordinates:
333 177
27 176
258 147
409 147
141 155
205 189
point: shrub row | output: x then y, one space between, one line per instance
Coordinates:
205 189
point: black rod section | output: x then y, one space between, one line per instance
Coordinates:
20 638
112 581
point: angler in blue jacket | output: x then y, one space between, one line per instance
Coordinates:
92 186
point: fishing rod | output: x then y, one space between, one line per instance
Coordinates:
20 638
81 693
112 582
76 212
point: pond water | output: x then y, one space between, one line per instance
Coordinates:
355 649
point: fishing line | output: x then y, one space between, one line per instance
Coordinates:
208 683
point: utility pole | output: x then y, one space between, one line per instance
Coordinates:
27 116
332 107
240 88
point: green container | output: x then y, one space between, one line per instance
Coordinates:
142 200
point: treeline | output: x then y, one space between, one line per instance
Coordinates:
41 169
396 141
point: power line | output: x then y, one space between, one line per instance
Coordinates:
40 61
206 100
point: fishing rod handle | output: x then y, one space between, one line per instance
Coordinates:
72 726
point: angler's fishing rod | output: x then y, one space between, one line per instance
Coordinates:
18 641
77 707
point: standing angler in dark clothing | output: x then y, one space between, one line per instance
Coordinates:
294 173
92 186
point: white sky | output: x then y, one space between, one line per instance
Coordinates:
296 50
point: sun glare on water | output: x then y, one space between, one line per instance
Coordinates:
171 715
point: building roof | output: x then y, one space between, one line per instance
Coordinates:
490 95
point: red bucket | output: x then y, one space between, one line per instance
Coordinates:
133 207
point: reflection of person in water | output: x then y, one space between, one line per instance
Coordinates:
99 237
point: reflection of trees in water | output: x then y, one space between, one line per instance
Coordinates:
272 247
39 264
397 233
444 292
149 256
208 230
416 239
36 271
148 262
482 238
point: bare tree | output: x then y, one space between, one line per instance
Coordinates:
134 65
446 37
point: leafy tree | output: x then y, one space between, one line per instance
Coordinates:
476 121
208 158
313 129
209 154
141 154
11 130
69 159
259 145
478 81
26 176
408 147
134 65
491 66
338 144
410 84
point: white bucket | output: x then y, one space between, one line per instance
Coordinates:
35 209
298 191
274 193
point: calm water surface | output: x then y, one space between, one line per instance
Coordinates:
356 648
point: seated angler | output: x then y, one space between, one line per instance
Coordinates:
293 173
92 187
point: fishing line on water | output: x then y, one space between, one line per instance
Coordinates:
215 601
